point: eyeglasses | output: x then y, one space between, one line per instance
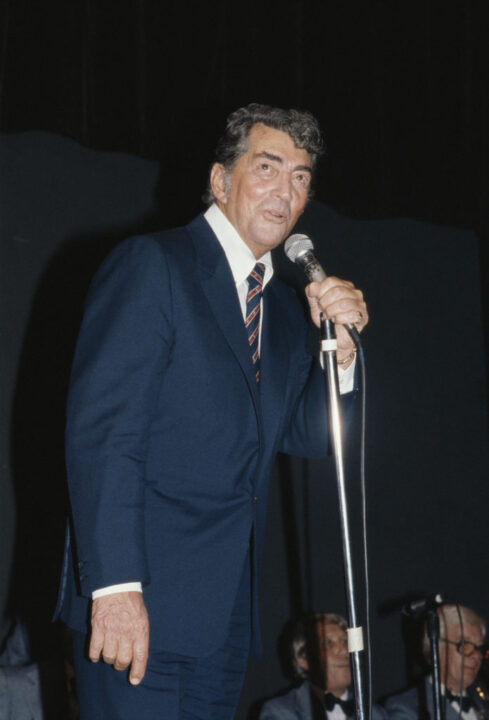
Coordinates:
466 648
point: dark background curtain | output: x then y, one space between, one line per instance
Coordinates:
400 89
401 92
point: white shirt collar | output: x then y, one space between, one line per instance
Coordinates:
239 256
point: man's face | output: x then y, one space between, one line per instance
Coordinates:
330 662
266 190
451 660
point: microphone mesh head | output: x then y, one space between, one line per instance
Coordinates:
296 245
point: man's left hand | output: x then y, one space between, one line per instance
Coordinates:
120 633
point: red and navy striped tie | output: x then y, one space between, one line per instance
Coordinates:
252 322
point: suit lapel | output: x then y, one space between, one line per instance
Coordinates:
220 290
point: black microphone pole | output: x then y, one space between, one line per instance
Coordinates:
298 248
427 607
433 628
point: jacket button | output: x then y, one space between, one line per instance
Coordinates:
83 577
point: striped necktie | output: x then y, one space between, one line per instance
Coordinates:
252 322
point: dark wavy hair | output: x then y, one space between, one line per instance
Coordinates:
301 125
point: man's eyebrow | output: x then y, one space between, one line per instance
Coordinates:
269 156
277 158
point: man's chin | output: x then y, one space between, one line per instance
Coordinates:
470 678
272 234
269 241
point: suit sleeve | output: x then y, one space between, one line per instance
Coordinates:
379 713
307 432
277 709
398 708
124 344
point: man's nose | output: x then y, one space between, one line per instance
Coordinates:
284 186
341 649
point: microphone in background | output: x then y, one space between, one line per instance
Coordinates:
423 604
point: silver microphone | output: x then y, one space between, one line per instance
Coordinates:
299 249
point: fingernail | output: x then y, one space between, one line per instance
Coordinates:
135 681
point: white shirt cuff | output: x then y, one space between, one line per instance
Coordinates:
346 377
123 587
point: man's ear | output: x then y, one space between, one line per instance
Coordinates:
218 183
303 664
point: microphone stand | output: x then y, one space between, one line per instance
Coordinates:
433 630
354 632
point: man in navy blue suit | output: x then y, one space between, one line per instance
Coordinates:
191 372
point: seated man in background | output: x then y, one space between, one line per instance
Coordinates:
319 655
462 634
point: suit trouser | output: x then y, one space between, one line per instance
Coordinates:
175 687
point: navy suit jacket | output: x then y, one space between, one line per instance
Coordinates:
169 440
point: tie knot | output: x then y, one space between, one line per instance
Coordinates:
255 278
465 702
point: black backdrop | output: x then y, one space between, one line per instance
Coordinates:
402 96
401 89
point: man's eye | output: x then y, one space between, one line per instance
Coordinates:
266 167
302 179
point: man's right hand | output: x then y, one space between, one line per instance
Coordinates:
120 633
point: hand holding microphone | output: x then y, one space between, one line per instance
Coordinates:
339 300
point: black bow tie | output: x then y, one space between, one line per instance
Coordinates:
465 701
330 701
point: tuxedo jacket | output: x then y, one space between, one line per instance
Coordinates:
298 704
169 439
418 703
